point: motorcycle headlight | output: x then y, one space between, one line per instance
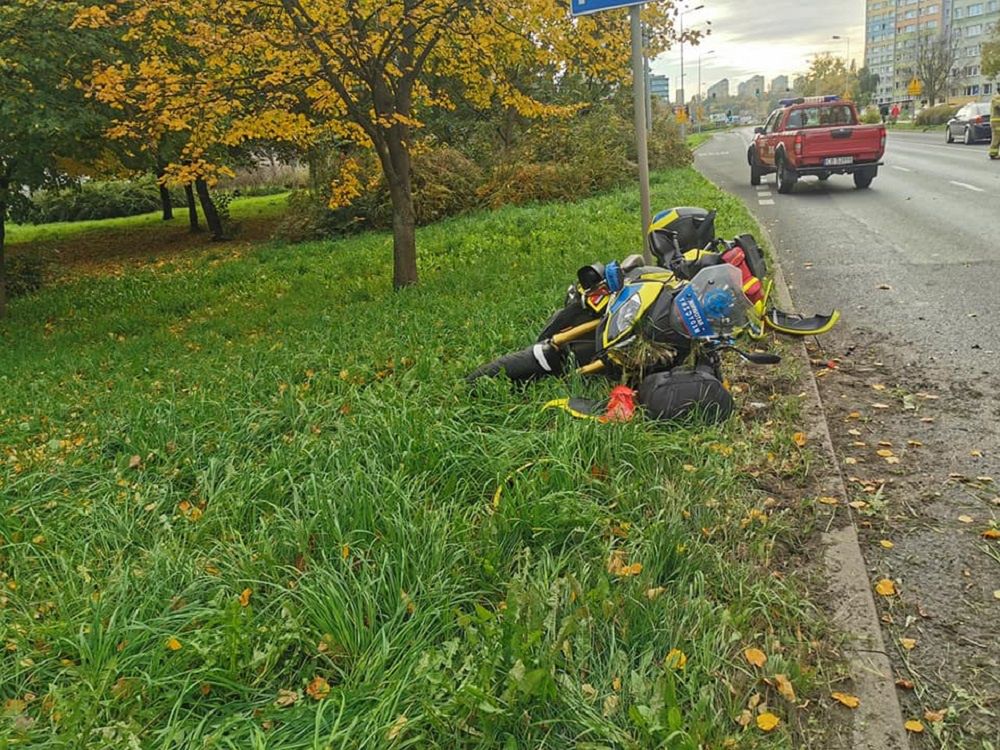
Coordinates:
624 317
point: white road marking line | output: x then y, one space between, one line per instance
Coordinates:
761 187
967 186
901 169
766 203
764 195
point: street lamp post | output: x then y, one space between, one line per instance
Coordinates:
847 64
680 17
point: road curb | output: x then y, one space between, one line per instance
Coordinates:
877 723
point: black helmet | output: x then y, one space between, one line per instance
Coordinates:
691 228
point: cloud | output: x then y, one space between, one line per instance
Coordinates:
769 37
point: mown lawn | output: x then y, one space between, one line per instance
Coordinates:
251 503
265 206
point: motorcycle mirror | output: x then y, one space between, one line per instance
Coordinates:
590 276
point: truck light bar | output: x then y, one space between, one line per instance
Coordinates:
809 99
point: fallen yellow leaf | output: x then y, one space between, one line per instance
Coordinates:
904 684
767 721
616 684
676 659
966 519
396 728
829 500
755 656
800 439
884 452
631 570
784 686
610 705
908 643
935 716
245 597
885 587
286 698
318 688
345 552
991 534
173 644
887 544
851 701
914 726
655 592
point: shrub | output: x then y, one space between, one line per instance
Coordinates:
938 115
98 200
871 116
555 159
444 183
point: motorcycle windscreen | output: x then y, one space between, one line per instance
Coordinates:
797 325
713 303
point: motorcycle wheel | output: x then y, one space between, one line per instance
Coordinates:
535 362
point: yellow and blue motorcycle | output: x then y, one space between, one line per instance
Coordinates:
662 329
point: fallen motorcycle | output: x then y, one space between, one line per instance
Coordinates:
662 329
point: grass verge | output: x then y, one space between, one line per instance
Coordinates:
256 207
694 140
250 503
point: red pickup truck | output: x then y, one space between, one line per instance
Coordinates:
817 135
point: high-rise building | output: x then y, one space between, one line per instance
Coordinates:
779 86
880 46
971 24
718 90
660 86
750 88
895 30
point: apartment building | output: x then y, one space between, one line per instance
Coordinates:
972 22
718 90
895 28
751 87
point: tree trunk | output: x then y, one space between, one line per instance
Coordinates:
192 208
209 210
404 219
3 237
168 206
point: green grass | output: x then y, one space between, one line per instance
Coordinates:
694 140
267 206
304 433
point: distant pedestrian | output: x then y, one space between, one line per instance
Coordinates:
884 111
995 126
894 114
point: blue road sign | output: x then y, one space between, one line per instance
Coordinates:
583 7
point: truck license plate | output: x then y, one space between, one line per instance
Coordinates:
835 161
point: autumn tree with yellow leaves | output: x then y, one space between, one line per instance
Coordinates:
226 72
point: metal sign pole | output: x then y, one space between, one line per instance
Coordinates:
639 95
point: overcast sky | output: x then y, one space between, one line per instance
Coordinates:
770 37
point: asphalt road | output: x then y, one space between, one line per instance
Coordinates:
914 265
929 227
